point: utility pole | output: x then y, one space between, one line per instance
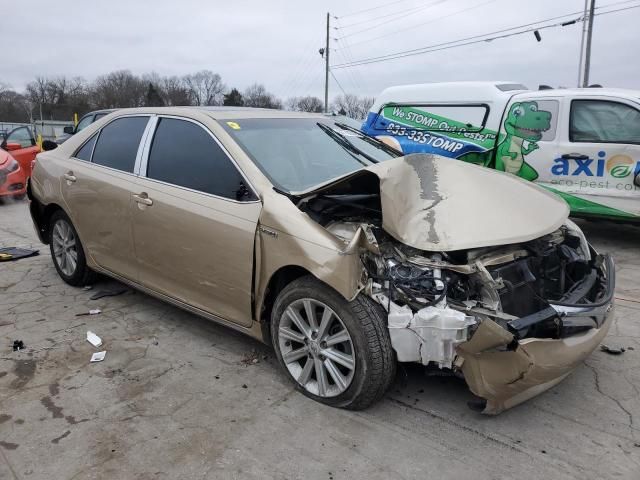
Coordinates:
326 70
584 34
587 55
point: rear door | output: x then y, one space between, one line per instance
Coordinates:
97 186
597 166
28 148
194 221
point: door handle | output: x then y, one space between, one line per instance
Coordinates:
70 177
575 156
143 199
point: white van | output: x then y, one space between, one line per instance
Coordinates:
583 144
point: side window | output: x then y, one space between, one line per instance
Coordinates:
184 154
540 115
602 121
117 144
22 136
84 122
84 153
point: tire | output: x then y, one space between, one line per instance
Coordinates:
61 233
366 343
20 196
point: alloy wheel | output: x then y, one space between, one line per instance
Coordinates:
316 347
65 247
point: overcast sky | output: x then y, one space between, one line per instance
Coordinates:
276 42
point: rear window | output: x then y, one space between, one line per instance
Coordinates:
118 142
84 153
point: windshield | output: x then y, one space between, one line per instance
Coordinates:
299 153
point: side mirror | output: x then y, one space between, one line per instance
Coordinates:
68 129
49 145
12 146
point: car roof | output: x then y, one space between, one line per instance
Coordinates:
224 113
584 92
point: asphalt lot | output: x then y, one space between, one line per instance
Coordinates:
180 397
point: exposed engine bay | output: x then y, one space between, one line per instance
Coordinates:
437 300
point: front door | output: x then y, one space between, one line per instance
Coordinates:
98 184
28 148
194 222
597 166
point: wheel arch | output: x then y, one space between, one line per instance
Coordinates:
41 215
277 282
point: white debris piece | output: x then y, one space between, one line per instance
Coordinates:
93 339
95 311
98 356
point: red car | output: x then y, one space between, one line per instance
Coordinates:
13 181
21 144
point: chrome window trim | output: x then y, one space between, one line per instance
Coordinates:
147 150
142 146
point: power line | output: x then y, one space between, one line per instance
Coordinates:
404 14
396 32
334 77
392 14
473 39
371 9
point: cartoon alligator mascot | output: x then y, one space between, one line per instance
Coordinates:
524 123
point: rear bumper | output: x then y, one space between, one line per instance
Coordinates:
505 371
37 211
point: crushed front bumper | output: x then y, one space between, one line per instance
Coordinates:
505 371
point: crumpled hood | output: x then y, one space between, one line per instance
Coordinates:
435 203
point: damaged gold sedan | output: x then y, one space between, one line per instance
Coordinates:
305 233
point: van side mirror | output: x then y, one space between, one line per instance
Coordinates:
68 129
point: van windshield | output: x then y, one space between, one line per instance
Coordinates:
299 153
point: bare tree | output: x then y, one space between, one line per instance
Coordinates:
305 104
352 106
205 88
175 92
118 89
257 96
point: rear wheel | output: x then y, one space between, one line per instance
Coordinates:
67 252
337 352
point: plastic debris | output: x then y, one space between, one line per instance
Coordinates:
98 356
18 345
93 339
612 350
11 253
109 292
94 311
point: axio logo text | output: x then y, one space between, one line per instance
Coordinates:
618 166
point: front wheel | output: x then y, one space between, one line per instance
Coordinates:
337 352
67 252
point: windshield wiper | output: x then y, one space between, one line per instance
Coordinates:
370 139
346 144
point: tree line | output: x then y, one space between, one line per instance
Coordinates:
60 97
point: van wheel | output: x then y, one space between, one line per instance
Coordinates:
67 251
336 352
